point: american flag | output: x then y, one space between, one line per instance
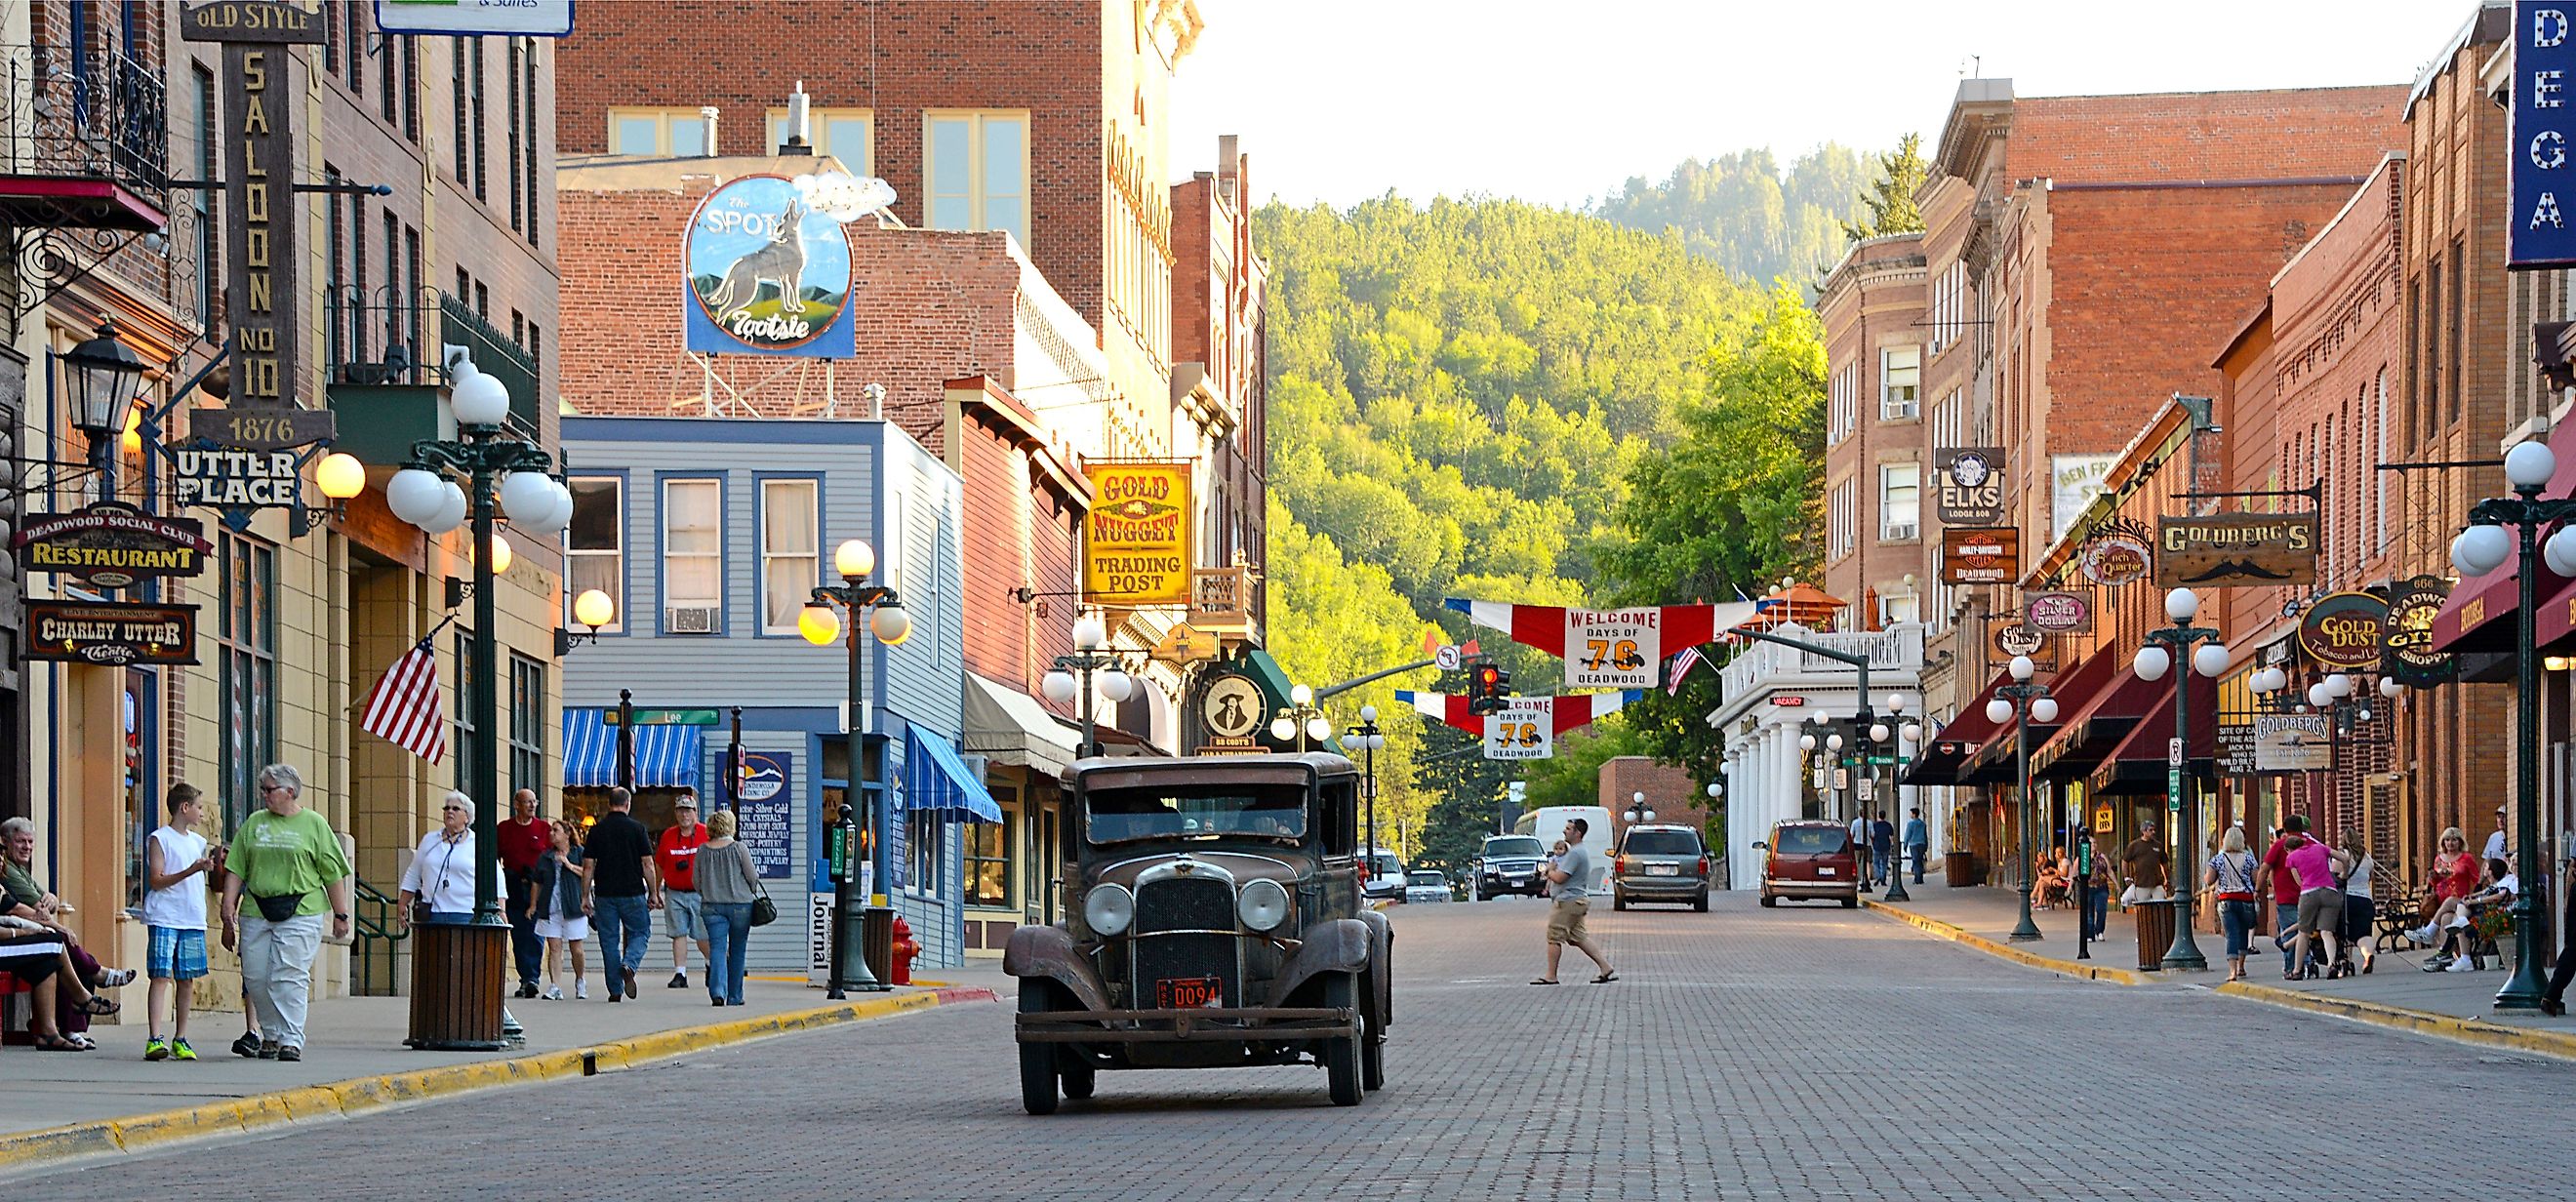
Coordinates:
403 708
1682 664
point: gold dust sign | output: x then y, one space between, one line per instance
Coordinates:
1136 541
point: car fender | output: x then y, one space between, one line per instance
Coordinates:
1049 952
1341 945
1381 965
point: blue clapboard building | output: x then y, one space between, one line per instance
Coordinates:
710 535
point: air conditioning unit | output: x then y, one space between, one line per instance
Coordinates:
689 619
1891 534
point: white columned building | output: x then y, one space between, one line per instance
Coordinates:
1769 692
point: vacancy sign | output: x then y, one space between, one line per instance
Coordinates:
1613 648
2544 186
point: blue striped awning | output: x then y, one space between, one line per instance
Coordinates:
666 757
936 780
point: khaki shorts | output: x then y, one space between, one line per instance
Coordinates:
1565 920
2320 910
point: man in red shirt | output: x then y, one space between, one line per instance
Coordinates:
676 855
523 839
2285 884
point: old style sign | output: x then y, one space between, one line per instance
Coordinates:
2059 611
2345 630
2229 550
2112 560
1136 540
111 545
2292 743
1184 645
1221 599
768 272
1231 707
2009 641
230 478
2406 638
1968 486
1613 648
111 632
1981 556
1524 730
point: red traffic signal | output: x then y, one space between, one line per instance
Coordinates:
1486 687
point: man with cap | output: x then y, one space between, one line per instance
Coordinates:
2495 840
676 855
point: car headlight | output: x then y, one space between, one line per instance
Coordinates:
1263 905
1107 909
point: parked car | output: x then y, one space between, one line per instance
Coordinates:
1214 920
1811 859
1660 862
1383 875
1426 885
1510 864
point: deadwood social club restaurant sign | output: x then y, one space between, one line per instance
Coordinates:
2236 549
110 545
260 236
111 632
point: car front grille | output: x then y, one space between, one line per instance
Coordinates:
1185 904
1185 927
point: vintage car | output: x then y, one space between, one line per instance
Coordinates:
1214 922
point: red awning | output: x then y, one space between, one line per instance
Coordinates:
2475 617
1943 752
2072 688
2137 765
2096 730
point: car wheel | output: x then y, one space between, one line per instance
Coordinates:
1700 903
1770 902
1341 1055
1037 1060
1078 1082
1851 901
1618 900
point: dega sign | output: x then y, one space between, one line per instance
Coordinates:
2544 52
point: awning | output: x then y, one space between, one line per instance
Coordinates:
1948 749
1011 727
2478 617
2138 764
1999 761
2095 726
666 757
935 781
1267 673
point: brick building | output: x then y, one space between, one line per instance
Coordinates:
1876 453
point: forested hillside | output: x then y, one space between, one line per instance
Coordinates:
1743 213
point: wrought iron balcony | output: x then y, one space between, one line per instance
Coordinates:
391 356
86 142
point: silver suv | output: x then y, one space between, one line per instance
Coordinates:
1511 864
1660 862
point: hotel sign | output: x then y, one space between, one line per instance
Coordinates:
2344 631
111 545
111 632
2230 550
2542 183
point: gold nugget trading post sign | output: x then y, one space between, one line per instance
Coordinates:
1136 541
2236 549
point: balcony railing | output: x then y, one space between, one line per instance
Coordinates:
379 337
90 115
1895 650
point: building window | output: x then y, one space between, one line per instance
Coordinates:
527 724
1900 375
1899 607
247 636
595 544
692 557
925 833
356 47
1900 501
518 145
669 133
210 243
988 863
845 134
528 136
790 551
975 170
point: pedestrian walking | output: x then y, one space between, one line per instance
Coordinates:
523 839
1918 841
2232 874
1568 904
2320 903
624 890
1860 848
2147 867
287 859
2360 903
2276 877
2097 895
40 907
676 855
2553 1002
557 903
1882 842
727 883
176 864
438 885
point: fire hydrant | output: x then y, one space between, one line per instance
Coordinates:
904 950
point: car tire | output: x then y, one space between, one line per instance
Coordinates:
1481 895
1770 902
1618 900
1851 902
1037 1060
1341 1056
1700 903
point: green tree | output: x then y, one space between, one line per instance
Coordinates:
1573 776
1890 198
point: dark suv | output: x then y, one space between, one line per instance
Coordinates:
1811 859
1660 862
1511 864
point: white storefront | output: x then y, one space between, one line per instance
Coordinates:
1770 692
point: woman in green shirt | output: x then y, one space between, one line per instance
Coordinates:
288 860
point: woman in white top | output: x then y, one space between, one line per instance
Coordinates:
2360 908
440 881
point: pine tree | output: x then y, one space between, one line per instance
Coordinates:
1890 198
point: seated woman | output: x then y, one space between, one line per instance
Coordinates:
2454 919
22 898
2455 876
2049 887
41 959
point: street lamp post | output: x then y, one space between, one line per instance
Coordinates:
1906 734
1366 738
2019 703
507 474
2477 551
820 624
103 380
1071 677
1301 719
2168 647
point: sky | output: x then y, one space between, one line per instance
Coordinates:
1338 101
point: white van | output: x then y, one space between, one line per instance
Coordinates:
1548 824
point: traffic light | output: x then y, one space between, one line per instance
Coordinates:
1487 685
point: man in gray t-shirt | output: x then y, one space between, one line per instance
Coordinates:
1568 904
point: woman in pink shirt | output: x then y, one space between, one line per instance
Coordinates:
2320 900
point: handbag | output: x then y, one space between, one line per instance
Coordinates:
278 907
763 910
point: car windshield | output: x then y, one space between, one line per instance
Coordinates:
1127 815
1660 843
1426 878
1810 840
1385 864
1516 846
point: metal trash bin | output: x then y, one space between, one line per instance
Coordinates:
2155 932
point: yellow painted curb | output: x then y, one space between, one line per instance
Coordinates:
2422 1022
2089 972
347 1099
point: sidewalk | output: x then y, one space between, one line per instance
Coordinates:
76 1103
2396 993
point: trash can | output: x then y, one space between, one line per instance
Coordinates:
2155 932
1960 868
878 938
457 974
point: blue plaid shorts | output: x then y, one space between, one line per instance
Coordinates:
175 955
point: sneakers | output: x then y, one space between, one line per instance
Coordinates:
247 1045
680 980
553 995
527 989
115 978
2422 934
269 1050
580 991
179 1050
2437 964
156 1048
2463 964
290 1054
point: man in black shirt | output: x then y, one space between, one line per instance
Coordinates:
624 889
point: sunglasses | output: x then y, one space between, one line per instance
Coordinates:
454 809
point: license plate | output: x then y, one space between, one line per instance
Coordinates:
1189 993
1824 872
1663 869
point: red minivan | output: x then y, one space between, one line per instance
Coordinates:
1810 859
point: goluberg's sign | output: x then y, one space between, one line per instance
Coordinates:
2236 549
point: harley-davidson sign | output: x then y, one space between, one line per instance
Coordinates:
1980 556
111 545
111 632
2344 630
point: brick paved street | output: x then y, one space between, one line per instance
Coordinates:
1804 1053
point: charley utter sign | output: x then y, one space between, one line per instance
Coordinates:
2345 630
111 632
111 545
1136 541
768 271
2235 549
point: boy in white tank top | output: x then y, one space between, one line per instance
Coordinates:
175 861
